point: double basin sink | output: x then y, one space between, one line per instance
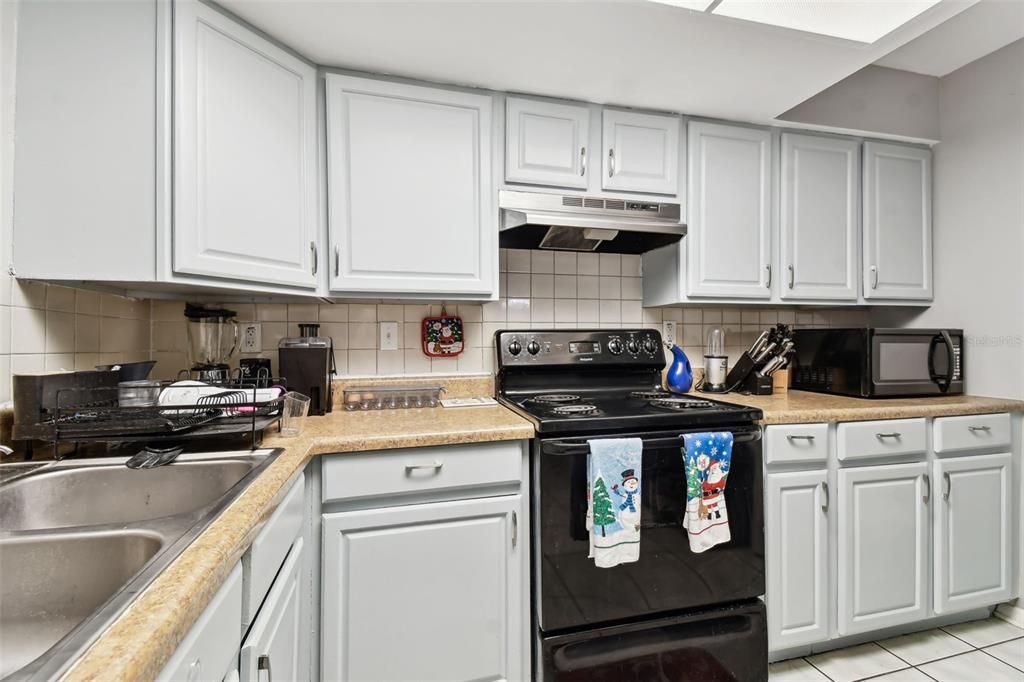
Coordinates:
80 539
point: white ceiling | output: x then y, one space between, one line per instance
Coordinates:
979 30
625 52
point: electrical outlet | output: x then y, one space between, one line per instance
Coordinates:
389 336
668 332
252 338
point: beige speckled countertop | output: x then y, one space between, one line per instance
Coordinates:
139 643
799 407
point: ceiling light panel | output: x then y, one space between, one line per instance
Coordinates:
862 20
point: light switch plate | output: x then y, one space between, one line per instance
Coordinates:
252 338
668 332
389 336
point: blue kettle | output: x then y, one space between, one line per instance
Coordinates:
680 375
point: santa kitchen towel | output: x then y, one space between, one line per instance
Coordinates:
613 500
706 457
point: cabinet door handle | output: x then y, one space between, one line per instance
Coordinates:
893 434
611 162
769 269
927 488
792 276
515 529
874 276
337 261
792 437
824 492
975 429
583 161
949 485
263 663
312 251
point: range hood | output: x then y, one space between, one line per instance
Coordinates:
537 220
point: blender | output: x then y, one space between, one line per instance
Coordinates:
212 340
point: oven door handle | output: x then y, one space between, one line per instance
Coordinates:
580 447
943 381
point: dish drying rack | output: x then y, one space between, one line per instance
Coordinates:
83 415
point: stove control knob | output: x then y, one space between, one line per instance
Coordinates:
632 346
514 348
650 346
533 347
615 346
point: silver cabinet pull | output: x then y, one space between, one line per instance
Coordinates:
337 261
949 485
611 162
263 663
312 251
824 491
792 276
893 434
927 488
435 465
769 269
874 276
975 429
583 161
515 529
791 438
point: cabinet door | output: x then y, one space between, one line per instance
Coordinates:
973 516
729 185
424 592
409 189
883 546
546 143
897 222
820 209
641 152
276 636
796 547
245 169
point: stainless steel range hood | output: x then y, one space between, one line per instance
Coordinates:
537 220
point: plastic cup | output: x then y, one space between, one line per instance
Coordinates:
293 414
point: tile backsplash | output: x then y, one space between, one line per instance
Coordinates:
44 327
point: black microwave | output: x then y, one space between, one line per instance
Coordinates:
870 362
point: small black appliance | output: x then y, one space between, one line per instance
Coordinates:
306 362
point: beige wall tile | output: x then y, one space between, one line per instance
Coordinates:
337 312
29 294
362 362
362 312
5 329
28 330
60 298
271 312
303 312
60 332
610 264
55 362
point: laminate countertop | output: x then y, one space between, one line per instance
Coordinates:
140 641
801 407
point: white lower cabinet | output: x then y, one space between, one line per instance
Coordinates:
883 562
797 554
973 516
424 592
275 639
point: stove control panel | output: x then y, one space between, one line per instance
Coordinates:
630 347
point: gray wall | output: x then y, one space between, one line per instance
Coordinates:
979 221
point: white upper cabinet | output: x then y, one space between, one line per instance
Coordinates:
973 526
883 561
820 205
245 166
641 152
728 192
410 198
546 143
897 222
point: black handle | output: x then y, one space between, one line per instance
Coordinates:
943 381
580 447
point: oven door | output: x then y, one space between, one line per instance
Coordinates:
909 362
571 592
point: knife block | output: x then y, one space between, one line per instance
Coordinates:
757 384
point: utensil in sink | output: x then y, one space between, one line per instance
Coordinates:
150 457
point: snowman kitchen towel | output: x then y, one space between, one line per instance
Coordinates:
613 500
707 457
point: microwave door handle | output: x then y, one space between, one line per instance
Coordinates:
943 381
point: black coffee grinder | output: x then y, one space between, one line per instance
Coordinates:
306 363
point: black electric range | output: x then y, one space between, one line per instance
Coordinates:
674 614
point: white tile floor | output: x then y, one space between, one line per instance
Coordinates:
989 650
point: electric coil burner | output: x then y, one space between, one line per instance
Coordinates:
674 611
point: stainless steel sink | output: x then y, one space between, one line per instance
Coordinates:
80 539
